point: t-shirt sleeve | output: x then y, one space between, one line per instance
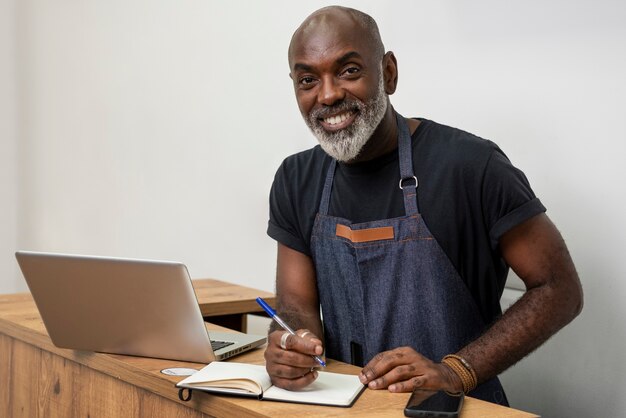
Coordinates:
283 223
508 199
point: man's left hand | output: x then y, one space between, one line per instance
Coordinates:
403 369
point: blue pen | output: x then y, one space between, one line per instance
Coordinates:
272 313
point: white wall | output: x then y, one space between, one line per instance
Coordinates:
9 280
154 128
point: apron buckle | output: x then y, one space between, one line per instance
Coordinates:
408 178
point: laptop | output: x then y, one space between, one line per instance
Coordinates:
125 306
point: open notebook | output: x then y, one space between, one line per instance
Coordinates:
332 389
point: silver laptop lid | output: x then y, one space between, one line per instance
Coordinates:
115 305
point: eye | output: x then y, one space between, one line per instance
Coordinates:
351 71
306 81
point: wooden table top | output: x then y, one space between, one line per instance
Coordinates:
216 297
20 319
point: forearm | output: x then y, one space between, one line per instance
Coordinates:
296 291
536 316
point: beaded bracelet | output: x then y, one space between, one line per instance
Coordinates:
462 369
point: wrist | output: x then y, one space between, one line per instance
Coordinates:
463 370
454 382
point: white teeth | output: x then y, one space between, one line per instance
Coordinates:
333 120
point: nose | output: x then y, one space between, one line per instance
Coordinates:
330 92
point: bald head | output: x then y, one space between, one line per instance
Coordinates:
337 21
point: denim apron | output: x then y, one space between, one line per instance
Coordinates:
387 283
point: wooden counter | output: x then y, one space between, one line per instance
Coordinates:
41 380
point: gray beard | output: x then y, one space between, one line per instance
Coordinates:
346 144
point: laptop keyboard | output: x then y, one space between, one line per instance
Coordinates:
216 345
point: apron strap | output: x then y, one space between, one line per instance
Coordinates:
408 181
328 186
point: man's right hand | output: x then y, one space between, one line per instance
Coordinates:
292 366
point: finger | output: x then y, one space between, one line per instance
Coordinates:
283 340
276 355
408 385
290 358
306 334
289 372
431 377
381 364
311 343
310 346
397 374
426 382
295 384
274 337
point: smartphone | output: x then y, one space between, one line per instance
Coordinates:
431 404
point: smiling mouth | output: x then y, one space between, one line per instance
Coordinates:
339 121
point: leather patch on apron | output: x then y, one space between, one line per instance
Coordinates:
364 235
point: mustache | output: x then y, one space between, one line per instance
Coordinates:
343 106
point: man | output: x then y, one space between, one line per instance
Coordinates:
403 231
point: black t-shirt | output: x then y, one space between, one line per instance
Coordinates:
469 195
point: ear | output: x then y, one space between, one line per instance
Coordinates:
390 72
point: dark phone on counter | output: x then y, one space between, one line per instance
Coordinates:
430 404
